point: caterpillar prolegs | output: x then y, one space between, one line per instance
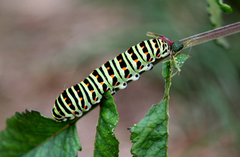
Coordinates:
111 76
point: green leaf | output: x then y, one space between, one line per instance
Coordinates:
224 7
150 135
179 59
215 8
106 143
32 135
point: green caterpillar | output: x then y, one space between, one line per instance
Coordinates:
111 76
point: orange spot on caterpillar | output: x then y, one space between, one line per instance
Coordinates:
146 53
101 83
85 107
150 60
87 84
112 76
128 76
157 48
120 60
69 104
143 47
155 43
81 98
73 112
78 91
131 54
96 99
59 111
63 91
116 84
108 68
136 60
158 55
140 67
65 99
124 68
91 91
97 76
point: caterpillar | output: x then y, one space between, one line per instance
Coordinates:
111 76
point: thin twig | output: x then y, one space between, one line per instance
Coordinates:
205 36
211 35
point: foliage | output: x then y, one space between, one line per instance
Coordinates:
106 143
150 135
29 134
215 8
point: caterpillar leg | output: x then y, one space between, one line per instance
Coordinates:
113 91
122 86
78 114
135 77
149 67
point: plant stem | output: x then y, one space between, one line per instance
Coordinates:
205 36
211 35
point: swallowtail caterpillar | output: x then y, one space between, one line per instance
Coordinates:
111 76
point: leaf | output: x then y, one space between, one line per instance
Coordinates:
215 8
224 7
179 59
150 135
32 135
106 143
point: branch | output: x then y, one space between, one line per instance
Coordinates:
211 35
205 36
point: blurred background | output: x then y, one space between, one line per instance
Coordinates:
47 46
